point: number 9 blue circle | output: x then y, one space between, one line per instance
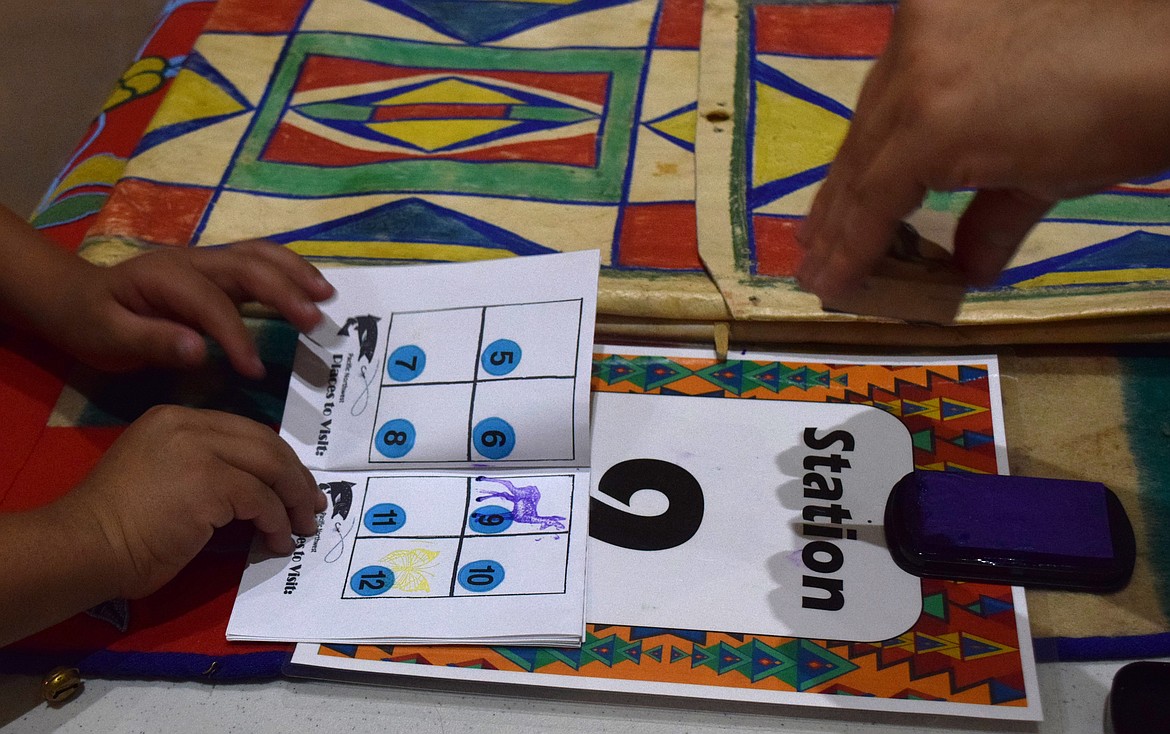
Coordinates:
372 581
395 438
406 363
493 438
501 357
481 576
490 519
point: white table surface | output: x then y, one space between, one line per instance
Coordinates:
1073 695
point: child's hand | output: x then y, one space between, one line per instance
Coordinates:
175 476
154 308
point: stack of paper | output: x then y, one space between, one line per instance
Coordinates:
444 410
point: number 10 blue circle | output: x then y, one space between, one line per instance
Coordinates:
481 576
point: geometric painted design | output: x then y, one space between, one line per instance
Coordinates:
426 108
203 97
814 126
677 126
347 115
409 229
432 113
489 20
1138 256
803 67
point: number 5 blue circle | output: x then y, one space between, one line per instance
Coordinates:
501 357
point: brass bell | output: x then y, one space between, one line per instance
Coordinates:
60 685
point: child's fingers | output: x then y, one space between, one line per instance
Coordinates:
145 339
259 451
192 298
269 274
252 499
296 267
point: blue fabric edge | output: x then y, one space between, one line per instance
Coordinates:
256 666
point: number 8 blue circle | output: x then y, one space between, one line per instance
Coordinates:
395 438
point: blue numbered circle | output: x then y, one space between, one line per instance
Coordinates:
490 519
406 363
501 357
395 438
493 438
372 581
383 518
480 576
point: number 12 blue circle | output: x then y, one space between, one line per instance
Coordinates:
372 581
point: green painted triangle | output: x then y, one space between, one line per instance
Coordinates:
935 605
727 375
923 440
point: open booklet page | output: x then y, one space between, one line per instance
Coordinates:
444 410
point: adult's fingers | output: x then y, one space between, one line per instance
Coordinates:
991 230
869 124
861 221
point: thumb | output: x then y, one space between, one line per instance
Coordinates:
991 230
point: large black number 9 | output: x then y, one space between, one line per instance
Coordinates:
672 528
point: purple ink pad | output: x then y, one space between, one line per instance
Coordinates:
1020 530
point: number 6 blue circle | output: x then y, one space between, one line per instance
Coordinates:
493 438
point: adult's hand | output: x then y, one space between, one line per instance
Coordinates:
1027 103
